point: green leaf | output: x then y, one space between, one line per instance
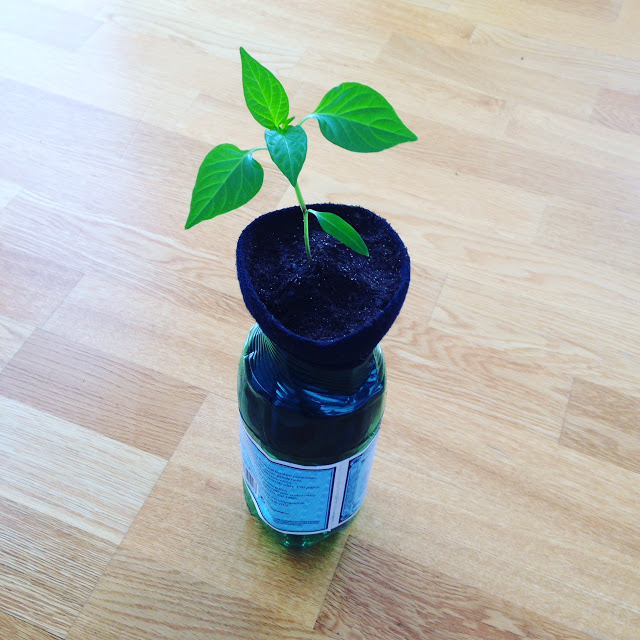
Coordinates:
228 178
357 118
264 94
341 230
288 149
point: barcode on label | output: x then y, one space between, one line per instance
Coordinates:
251 481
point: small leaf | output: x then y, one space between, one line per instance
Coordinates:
228 178
357 118
264 94
288 121
288 149
341 230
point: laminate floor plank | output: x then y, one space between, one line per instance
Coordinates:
48 569
571 138
479 108
12 336
415 199
195 520
72 474
7 191
47 24
215 29
554 23
378 595
137 407
156 333
494 77
33 287
456 524
142 599
526 330
606 236
559 59
504 497
603 423
484 380
20 630
618 110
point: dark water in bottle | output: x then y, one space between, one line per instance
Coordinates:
306 418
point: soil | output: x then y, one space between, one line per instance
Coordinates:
340 291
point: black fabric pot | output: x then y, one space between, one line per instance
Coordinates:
334 312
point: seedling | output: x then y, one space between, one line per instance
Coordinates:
351 115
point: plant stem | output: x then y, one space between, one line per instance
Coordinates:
305 219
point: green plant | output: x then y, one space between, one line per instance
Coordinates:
351 115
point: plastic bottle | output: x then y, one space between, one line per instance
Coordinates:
307 436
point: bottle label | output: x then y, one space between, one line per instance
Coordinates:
293 498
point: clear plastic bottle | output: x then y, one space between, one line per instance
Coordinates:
305 424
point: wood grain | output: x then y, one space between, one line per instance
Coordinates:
83 386
12 336
98 139
532 397
94 241
216 29
7 191
19 630
539 172
32 287
503 501
539 332
155 333
48 569
493 77
49 25
195 520
469 108
607 10
491 209
150 190
528 283
420 18
508 467
379 595
603 423
142 599
422 300
456 520
553 23
70 473
618 110
571 138
72 75
489 379
558 59
86 130
606 236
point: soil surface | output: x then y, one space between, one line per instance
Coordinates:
337 294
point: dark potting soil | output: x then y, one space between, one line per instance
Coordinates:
335 295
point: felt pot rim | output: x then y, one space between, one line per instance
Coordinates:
337 353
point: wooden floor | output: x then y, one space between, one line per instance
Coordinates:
505 497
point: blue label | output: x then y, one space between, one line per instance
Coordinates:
357 482
304 499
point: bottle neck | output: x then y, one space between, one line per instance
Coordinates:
312 375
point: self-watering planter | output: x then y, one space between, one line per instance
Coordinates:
311 382
324 283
